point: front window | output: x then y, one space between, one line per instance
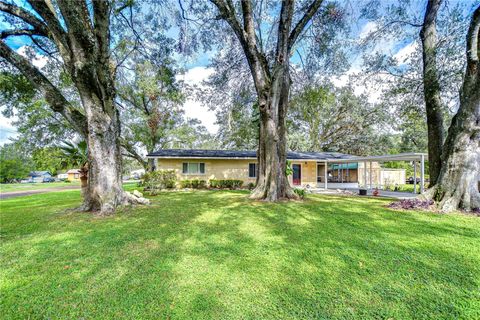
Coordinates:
193 168
252 170
75 175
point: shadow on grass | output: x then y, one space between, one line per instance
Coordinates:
204 255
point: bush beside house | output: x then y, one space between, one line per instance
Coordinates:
159 180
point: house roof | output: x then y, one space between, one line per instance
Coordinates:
241 154
73 171
38 173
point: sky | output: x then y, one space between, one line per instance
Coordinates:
197 70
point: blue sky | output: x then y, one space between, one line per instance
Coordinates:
197 69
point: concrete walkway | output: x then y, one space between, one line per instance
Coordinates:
13 194
382 193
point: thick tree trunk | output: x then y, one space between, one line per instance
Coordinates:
272 181
431 90
104 191
457 186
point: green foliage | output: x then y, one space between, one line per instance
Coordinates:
14 164
300 192
325 118
194 184
12 169
76 154
49 159
251 186
288 168
225 184
158 180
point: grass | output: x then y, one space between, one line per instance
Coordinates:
217 255
9 187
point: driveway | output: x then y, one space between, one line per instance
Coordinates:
13 194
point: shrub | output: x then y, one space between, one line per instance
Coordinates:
194 184
159 180
410 204
225 184
300 192
251 186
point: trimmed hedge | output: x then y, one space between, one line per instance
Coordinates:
225 184
194 184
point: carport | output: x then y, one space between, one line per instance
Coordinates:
414 158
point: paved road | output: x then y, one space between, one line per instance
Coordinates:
12 194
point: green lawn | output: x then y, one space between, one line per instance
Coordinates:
217 255
9 187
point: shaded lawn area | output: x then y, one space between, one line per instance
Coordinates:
217 255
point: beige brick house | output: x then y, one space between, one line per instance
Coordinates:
309 168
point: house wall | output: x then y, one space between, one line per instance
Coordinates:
381 176
309 173
231 169
238 169
71 177
392 176
214 169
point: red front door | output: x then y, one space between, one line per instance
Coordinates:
297 174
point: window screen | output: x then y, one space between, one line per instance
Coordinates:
193 168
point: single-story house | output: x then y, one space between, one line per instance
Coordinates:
73 175
38 176
310 169
62 176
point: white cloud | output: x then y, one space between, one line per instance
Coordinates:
367 29
404 54
7 131
194 108
38 61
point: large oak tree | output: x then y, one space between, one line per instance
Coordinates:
459 176
271 76
80 32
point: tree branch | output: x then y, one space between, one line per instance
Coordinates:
473 41
53 96
24 15
21 32
297 30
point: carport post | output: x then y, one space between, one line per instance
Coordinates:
414 176
325 171
422 173
365 173
370 177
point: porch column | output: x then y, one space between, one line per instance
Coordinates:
422 173
326 175
365 174
414 176
370 175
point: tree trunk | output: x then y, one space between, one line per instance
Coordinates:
104 191
431 90
457 185
272 181
151 165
